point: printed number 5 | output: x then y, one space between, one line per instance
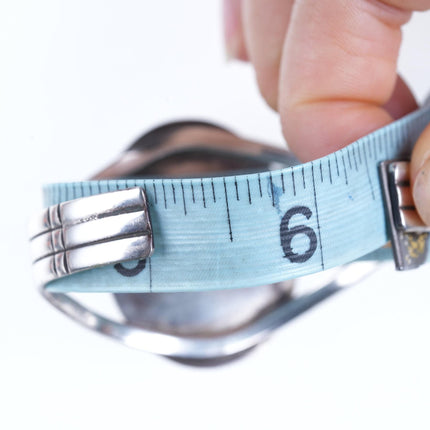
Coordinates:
288 233
129 272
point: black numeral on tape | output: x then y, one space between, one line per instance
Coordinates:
287 235
132 271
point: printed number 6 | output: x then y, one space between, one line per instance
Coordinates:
288 233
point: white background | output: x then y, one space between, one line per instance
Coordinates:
78 82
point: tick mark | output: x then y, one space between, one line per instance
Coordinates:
329 171
183 198
271 189
164 194
203 193
155 191
228 212
213 190
344 169
249 192
237 191
259 185
294 181
349 159
318 220
355 159
174 194
359 155
192 191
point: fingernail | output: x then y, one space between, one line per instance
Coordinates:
234 43
421 192
229 27
232 48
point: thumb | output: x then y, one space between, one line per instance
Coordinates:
338 71
420 175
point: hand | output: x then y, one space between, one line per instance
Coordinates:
329 68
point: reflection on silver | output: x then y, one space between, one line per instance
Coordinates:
200 328
199 349
409 234
193 348
90 232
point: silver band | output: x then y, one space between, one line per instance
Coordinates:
90 232
114 227
409 235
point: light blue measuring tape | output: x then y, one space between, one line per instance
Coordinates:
255 229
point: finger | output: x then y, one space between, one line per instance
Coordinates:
233 30
338 69
411 5
265 24
420 175
402 101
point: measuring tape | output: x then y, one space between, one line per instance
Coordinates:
254 229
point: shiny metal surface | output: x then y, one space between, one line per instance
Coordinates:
201 328
201 350
90 232
204 314
409 234
192 347
194 148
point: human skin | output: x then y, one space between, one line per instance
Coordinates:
329 67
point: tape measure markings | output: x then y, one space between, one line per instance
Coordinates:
236 240
318 220
249 192
183 197
203 193
271 189
344 167
337 165
164 193
353 159
155 191
259 185
359 156
213 190
228 212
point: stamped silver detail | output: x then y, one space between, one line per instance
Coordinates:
90 232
